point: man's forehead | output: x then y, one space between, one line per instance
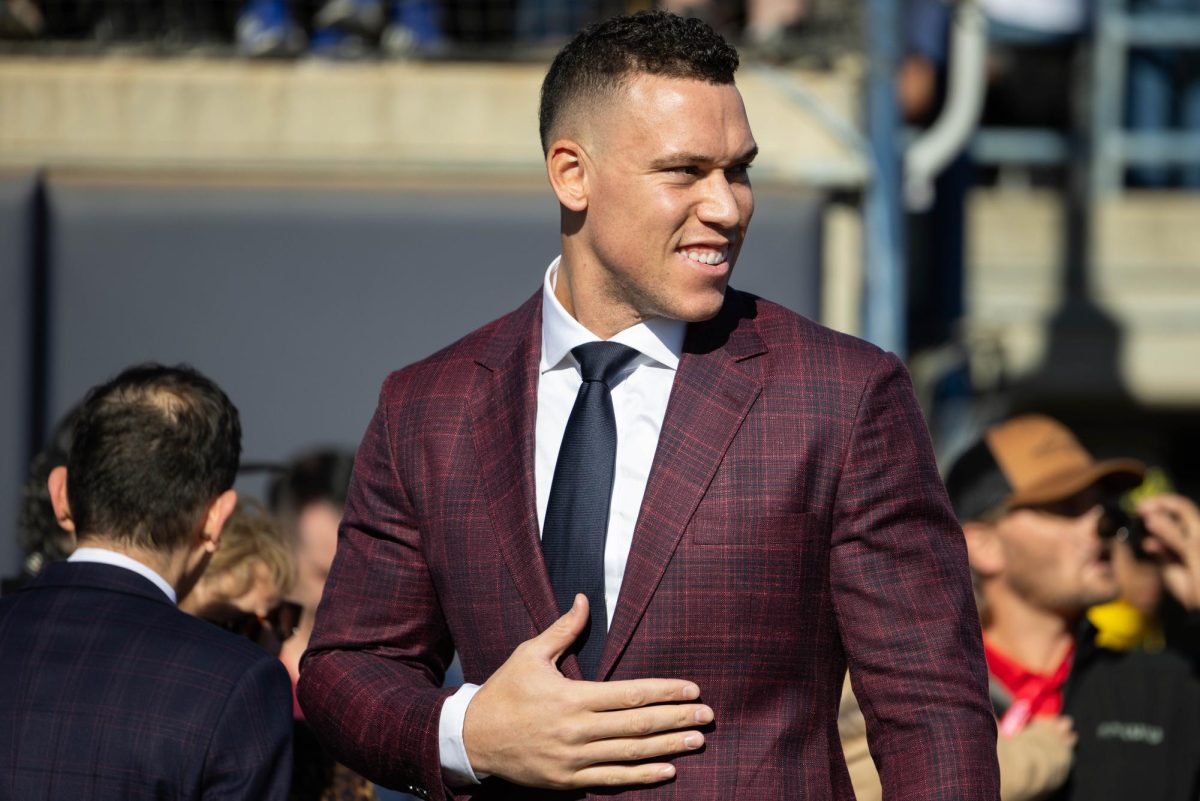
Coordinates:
675 111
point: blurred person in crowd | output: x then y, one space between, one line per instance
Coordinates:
1164 95
1033 763
307 499
1036 57
244 586
341 28
20 19
41 539
1033 504
768 24
110 691
550 20
647 502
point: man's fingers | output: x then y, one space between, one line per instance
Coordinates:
634 693
635 749
621 775
1173 519
1177 506
552 642
647 720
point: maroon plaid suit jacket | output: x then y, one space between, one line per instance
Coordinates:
793 522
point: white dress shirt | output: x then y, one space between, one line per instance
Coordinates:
640 396
106 557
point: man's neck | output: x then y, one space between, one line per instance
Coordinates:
172 566
1034 638
591 301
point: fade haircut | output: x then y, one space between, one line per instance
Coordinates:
604 57
152 449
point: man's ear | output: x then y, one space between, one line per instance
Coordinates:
984 550
57 484
218 512
567 165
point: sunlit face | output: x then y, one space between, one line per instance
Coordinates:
1054 558
668 198
316 545
222 597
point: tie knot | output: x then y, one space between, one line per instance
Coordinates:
602 361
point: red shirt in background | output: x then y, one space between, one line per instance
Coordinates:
1033 694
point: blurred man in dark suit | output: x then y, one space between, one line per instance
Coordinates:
108 690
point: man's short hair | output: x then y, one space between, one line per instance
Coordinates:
604 56
152 448
314 477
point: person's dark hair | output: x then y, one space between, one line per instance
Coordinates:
604 56
152 449
313 477
39 536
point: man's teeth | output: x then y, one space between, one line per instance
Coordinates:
707 256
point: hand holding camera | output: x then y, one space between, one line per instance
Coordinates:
1166 529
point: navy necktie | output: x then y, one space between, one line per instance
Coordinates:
576 523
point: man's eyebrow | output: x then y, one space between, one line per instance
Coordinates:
748 156
683 157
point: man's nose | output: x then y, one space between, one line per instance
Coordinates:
720 203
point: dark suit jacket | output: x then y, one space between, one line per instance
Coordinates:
110 693
793 521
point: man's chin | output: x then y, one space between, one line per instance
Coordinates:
702 309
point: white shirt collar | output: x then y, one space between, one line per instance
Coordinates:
106 557
659 339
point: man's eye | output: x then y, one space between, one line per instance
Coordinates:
738 169
685 169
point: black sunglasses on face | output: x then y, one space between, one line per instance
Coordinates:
280 622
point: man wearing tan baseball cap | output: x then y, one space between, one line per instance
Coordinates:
1032 500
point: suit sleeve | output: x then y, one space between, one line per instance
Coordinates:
250 753
370 680
904 603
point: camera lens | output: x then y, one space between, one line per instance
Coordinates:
1114 523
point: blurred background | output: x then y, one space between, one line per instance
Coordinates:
299 196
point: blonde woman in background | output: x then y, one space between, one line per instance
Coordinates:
244 586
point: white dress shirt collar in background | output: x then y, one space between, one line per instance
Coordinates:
104 556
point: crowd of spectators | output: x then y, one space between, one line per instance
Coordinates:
1087 575
1077 563
390 28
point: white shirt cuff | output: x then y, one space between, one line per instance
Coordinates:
456 767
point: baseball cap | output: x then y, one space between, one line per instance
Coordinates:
1030 460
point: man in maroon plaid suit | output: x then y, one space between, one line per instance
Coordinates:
775 509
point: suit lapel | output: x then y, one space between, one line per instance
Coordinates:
709 401
503 413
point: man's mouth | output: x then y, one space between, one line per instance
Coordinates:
711 256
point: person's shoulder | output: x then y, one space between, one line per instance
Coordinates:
188 640
456 362
211 638
803 343
1159 666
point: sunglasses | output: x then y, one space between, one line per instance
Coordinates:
1116 524
280 622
